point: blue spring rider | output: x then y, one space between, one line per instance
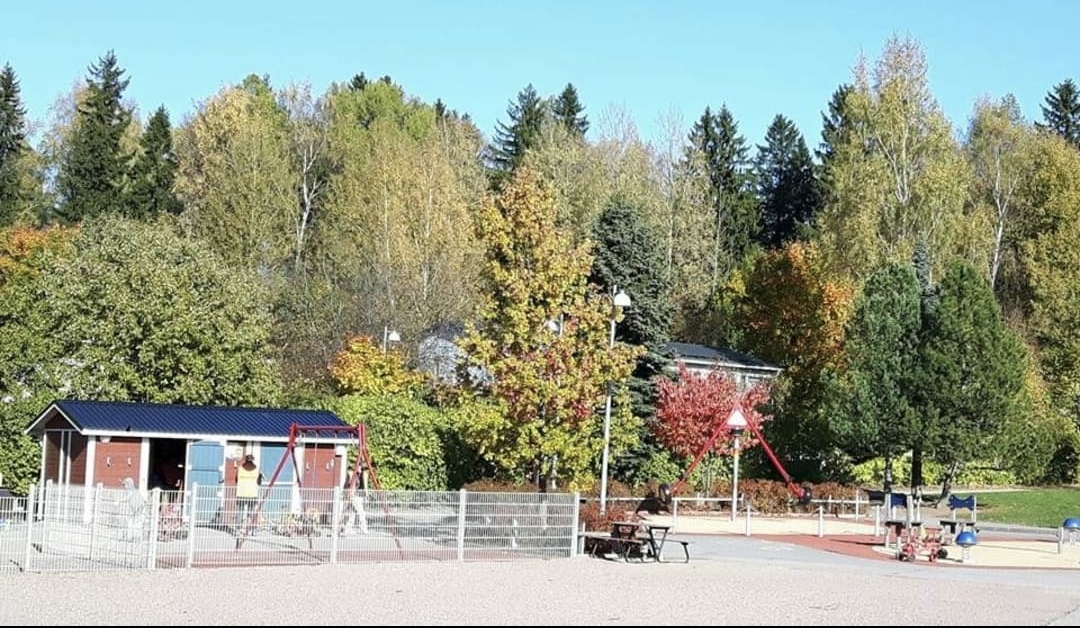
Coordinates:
966 540
1071 525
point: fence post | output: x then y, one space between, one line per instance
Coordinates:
190 560
577 542
31 514
47 499
820 521
857 491
155 526
335 522
462 500
95 513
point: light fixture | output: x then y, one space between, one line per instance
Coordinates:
105 438
736 423
619 299
388 336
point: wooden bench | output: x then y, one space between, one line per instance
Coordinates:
603 543
685 547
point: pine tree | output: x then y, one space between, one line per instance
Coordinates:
786 185
94 171
1061 112
512 140
13 145
358 82
970 369
567 110
726 162
630 256
836 124
154 171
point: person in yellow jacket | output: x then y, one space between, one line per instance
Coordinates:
248 480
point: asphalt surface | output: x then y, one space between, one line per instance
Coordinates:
731 580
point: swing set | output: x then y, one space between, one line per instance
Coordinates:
362 469
802 493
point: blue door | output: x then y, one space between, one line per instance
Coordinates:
206 468
278 499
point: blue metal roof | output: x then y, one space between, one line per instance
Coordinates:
125 417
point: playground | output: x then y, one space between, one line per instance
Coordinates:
1004 549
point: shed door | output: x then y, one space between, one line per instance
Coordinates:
279 498
206 468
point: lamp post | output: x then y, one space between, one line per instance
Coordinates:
736 423
618 299
388 336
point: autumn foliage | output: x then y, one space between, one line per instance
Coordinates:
18 245
694 406
362 368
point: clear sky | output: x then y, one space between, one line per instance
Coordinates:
648 59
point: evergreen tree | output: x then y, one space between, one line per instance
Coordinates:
358 82
836 124
628 255
869 399
154 171
787 188
93 174
567 110
724 157
972 370
1061 112
522 132
13 145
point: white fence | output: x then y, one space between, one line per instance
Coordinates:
70 528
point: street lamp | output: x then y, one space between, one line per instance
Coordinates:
736 423
388 336
618 299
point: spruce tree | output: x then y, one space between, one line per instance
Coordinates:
731 200
1061 112
630 256
94 171
836 124
786 185
13 145
567 110
513 139
358 82
151 191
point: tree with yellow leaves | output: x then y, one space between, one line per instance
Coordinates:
540 351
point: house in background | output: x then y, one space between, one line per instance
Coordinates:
701 359
438 355
87 443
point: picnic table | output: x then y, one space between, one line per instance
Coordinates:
635 539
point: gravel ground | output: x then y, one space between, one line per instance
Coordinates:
749 587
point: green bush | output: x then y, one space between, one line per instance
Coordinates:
872 473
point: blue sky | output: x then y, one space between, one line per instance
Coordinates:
649 59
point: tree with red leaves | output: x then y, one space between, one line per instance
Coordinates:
694 406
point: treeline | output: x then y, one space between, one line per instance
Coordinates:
917 289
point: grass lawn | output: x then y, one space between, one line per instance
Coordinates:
1042 507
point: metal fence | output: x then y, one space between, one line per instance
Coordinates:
70 528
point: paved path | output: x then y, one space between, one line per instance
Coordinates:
856 538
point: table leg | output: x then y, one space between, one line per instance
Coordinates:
658 547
